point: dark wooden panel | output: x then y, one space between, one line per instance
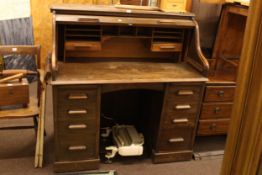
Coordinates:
164 157
216 110
219 93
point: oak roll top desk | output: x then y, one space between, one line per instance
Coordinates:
103 50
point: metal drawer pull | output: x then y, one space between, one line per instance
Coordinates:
217 110
167 47
221 93
182 120
176 140
185 92
77 96
77 148
73 112
182 107
80 126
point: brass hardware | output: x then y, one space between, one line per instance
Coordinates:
217 110
79 126
167 47
182 107
213 126
176 140
182 120
77 148
77 96
73 112
185 92
221 93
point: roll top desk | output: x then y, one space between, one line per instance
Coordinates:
100 50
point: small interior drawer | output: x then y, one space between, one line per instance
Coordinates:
216 110
82 46
219 93
175 139
166 47
213 127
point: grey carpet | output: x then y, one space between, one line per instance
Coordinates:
17 155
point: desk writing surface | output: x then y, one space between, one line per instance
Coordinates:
125 72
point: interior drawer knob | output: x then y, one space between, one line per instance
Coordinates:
185 92
75 112
79 126
77 148
182 120
213 126
176 140
77 96
221 93
182 107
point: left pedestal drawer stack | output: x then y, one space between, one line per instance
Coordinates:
76 120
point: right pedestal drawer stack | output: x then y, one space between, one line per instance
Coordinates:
216 110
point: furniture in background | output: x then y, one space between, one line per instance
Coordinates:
143 68
219 91
15 102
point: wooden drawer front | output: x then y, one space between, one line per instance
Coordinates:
77 96
178 109
166 47
76 147
216 94
184 93
213 127
76 126
174 121
175 139
82 46
82 111
216 110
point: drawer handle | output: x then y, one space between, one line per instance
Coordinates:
88 19
77 96
221 93
185 92
77 148
80 126
166 21
176 140
84 46
182 120
167 47
217 110
213 126
182 107
74 112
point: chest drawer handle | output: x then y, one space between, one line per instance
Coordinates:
217 110
167 47
176 140
213 126
221 93
77 148
182 120
185 92
73 112
77 97
182 107
80 126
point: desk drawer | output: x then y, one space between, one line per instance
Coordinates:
178 109
213 127
82 46
175 139
219 93
184 93
76 147
166 47
177 121
216 110
77 126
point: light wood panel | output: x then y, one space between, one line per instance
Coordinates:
244 146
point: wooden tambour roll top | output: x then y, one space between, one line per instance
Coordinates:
86 32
